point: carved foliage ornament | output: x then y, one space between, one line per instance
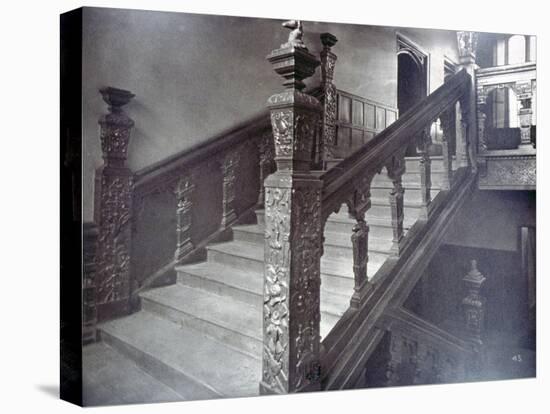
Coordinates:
293 133
114 239
292 366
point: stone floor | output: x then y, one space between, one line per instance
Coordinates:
127 384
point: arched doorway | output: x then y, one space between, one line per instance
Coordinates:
412 83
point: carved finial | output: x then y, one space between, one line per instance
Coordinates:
115 126
295 35
467 44
116 98
328 40
474 275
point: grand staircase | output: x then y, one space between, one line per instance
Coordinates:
202 337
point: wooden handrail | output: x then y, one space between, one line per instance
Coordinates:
374 154
148 176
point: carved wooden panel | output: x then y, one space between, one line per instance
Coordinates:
508 172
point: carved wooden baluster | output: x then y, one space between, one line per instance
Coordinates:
467 44
474 317
446 124
358 206
266 152
184 193
114 184
481 118
293 233
425 172
524 94
229 166
328 61
396 169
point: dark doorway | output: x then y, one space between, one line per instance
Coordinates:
411 81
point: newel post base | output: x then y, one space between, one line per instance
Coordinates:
293 231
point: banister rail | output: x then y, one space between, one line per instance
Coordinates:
374 154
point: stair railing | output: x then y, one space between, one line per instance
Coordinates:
299 201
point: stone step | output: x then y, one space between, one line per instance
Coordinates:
412 195
409 178
245 286
230 321
103 367
240 254
239 283
183 358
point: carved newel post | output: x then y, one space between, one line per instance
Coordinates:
293 230
328 62
114 182
466 143
474 319
474 304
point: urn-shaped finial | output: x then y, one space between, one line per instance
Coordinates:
115 126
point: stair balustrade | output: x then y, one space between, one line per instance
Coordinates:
299 202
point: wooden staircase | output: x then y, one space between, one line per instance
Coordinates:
202 337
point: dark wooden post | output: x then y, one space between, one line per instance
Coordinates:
293 233
474 319
358 206
328 61
467 44
474 304
396 169
425 172
114 185
446 123
229 166
184 198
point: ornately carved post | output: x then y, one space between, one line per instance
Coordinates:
467 44
425 172
474 304
474 317
114 183
328 61
396 169
184 193
293 231
446 123
229 166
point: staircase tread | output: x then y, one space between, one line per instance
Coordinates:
206 360
329 265
224 311
244 279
